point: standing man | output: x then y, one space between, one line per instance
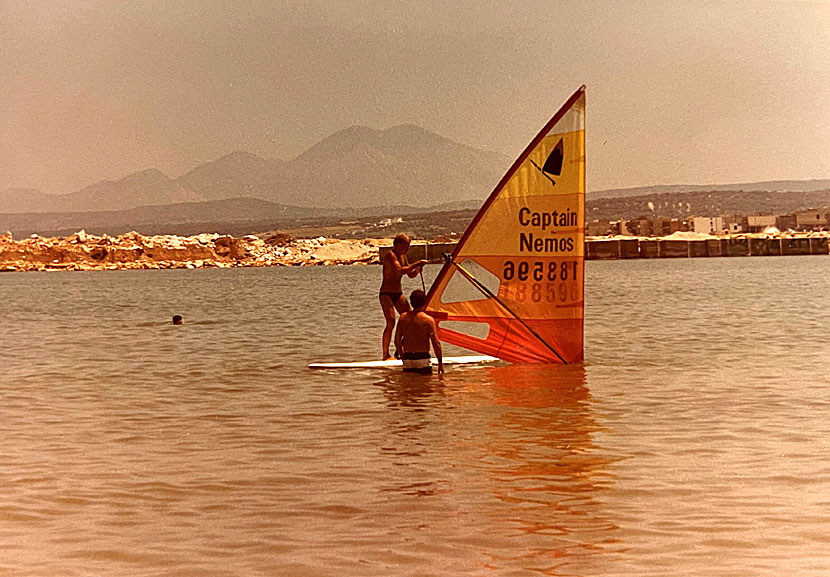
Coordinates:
395 265
416 330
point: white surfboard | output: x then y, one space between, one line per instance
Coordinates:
397 363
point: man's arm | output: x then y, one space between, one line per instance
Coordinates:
436 345
411 270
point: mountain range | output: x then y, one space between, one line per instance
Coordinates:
359 171
355 168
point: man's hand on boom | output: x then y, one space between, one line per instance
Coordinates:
415 267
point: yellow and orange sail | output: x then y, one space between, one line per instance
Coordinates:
523 253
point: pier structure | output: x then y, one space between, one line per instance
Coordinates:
689 246
677 245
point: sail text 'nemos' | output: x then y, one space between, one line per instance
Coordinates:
530 243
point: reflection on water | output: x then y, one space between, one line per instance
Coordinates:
522 436
412 390
541 460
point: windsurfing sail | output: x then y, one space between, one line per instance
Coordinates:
523 254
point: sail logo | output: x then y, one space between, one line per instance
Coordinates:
553 164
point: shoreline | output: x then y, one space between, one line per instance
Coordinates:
134 251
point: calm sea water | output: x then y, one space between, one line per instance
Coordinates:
694 441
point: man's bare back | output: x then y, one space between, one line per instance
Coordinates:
416 329
415 333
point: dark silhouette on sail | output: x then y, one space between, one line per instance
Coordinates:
553 165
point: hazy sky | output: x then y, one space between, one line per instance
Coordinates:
677 91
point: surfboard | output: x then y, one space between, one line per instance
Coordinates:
396 363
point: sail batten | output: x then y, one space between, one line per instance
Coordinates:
529 235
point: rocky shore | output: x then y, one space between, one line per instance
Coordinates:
82 251
130 251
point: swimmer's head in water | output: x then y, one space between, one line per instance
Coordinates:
177 319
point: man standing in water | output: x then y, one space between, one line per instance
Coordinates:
395 265
416 330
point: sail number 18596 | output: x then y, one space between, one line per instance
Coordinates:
540 271
541 281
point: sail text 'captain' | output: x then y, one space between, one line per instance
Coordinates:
545 219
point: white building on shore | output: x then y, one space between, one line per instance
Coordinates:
708 225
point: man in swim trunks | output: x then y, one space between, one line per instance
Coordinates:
395 265
416 330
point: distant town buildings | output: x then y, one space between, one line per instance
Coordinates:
804 220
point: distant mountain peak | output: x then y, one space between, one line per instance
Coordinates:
396 142
342 142
355 130
240 155
354 133
359 133
149 174
409 129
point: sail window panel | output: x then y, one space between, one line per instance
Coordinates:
459 289
476 330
